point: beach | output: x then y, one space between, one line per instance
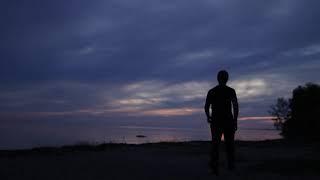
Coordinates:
271 159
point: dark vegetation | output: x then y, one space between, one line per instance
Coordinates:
298 116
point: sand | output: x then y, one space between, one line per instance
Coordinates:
276 159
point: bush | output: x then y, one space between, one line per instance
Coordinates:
299 115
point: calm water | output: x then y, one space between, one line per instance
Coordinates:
248 130
159 134
56 133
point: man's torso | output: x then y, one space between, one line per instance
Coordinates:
220 98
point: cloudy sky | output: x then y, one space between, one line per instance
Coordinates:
147 59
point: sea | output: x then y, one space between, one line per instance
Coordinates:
30 134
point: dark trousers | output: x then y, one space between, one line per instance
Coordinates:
228 133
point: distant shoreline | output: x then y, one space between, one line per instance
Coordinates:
106 146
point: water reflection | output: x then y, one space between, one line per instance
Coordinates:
160 134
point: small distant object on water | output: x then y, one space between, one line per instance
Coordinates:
140 136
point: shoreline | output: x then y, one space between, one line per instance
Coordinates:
275 159
105 146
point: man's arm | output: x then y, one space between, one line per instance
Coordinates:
207 108
235 107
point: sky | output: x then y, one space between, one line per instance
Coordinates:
148 61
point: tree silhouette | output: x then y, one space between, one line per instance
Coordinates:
281 112
299 115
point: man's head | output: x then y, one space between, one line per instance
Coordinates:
223 77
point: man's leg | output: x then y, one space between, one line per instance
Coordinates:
230 148
216 134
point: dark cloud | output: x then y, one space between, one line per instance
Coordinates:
80 56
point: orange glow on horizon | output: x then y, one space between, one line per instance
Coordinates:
170 112
256 118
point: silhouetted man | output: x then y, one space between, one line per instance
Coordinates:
222 101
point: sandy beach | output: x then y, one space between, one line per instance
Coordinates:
275 159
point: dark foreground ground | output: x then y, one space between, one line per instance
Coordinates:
276 159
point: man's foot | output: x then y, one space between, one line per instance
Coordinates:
214 169
231 167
